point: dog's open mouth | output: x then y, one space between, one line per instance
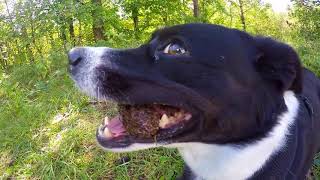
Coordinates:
142 123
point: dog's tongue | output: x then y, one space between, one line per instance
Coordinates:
115 126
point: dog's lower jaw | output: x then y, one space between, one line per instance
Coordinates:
212 162
229 162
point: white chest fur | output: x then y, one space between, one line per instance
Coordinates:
228 162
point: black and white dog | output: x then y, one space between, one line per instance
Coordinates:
246 107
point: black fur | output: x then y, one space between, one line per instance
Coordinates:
232 82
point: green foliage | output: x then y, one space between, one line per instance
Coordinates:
31 30
47 127
307 16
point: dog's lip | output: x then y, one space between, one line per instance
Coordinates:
126 140
188 98
173 94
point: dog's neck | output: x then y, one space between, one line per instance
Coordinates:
239 162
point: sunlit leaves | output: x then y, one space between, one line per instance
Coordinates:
307 16
36 28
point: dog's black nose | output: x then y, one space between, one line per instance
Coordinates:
75 56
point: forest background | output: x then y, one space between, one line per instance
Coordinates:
47 128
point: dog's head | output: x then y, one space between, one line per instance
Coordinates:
197 82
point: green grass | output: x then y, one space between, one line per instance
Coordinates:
47 129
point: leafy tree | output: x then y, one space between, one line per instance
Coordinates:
98 27
32 30
307 16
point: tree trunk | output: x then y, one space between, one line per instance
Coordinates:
231 16
97 28
71 31
243 21
8 11
63 35
79 41
135 19
12 30
196 12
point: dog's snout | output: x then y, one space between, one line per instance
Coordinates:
75 55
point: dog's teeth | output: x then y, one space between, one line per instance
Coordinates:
188 117
164 121
107 133
106 120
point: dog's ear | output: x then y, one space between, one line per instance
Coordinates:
278 64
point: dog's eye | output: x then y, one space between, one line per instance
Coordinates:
174 49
